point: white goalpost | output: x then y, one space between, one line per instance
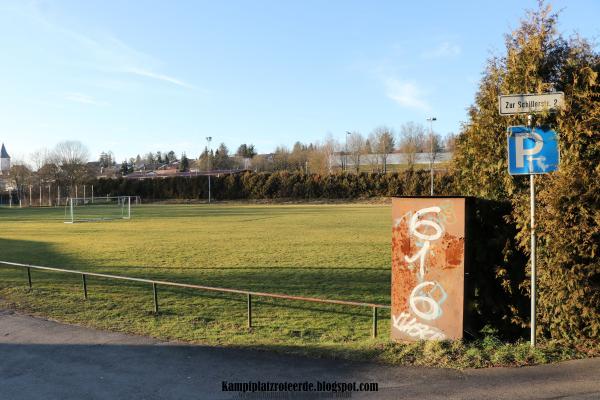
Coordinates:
103 208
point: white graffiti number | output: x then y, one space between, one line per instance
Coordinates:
415 223
423 300
419 297
413 227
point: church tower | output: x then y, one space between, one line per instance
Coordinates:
4 161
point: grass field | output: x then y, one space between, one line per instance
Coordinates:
337 251
326 251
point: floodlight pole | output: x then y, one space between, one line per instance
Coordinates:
208 139
348 133
532 225
431 119
49 197
92 194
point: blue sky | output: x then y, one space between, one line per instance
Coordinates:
142 76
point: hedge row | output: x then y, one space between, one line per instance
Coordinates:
279 185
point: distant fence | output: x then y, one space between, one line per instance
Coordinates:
46 195
249 294
169 173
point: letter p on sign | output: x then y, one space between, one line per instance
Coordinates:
532 151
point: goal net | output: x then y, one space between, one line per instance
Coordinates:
86 209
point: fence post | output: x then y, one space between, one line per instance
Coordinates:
29 277
84 286
374 322
155 297
249 310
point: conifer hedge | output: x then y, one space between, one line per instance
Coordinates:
279 186
538 60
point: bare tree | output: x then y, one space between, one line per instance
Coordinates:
329 148
412 141
262 163
382 142
450 142
356 148
298 157
281 158
39 158
371 153
21 175
71 157
433 147
317 160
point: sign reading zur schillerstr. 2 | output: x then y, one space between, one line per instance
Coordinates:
530 103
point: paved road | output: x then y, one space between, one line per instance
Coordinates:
41 359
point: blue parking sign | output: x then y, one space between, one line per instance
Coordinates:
532 151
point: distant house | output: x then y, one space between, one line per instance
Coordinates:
167 172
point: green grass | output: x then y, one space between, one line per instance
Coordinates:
326 251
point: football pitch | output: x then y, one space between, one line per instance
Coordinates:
339 251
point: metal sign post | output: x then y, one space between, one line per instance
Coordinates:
540 149
532 228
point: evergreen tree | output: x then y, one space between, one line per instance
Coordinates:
221 158
170 157
538 60
184 164
124 168
246 151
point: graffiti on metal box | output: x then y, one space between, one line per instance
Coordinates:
427 268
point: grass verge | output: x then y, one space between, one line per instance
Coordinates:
314 336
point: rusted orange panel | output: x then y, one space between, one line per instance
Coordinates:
428 265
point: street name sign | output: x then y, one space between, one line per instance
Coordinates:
530 103
532 151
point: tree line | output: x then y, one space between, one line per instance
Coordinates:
68 163
321 157
63 168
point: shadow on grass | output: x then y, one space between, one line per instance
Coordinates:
364 286
35 253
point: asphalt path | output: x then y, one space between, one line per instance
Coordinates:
41 359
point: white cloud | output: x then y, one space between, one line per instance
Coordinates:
406 94
443 50
106 52
83 99
149 74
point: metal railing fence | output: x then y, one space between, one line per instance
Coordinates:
249 294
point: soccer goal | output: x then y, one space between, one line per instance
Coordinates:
107 208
